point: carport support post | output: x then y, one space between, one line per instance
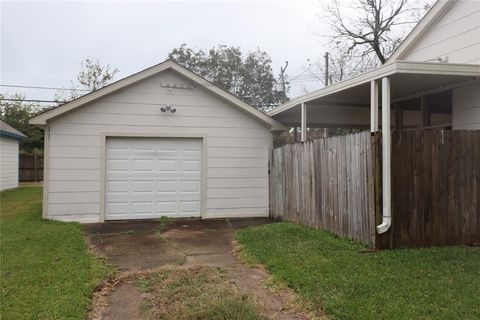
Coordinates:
373 106
386 158
303 129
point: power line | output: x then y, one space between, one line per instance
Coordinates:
40 87
31 100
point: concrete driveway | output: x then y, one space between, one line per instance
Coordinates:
143 246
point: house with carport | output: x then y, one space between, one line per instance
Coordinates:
431 84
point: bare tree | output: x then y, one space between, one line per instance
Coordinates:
343 64
370 30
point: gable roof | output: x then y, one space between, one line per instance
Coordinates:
10 132
436 12
259 116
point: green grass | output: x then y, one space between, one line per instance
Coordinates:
433 283
47 271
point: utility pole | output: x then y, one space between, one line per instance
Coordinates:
282 82
326 69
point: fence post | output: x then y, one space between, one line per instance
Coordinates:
35 168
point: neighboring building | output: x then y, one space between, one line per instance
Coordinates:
434 77
162 142
432 81
9 141
450 33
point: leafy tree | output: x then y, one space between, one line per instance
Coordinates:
16 113
249 76
93 76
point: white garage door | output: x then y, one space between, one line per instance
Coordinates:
152 177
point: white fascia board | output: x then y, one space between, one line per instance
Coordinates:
454 69
378 73
261 117
404 67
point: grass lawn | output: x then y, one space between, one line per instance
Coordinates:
434 283
46 270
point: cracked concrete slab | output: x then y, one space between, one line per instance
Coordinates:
143 246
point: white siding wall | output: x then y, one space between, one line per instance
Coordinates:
8 163
456 35
466 108
237 156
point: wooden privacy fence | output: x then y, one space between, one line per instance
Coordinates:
30 167
435 188
335 184
327 183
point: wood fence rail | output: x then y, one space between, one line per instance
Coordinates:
327 183
30 168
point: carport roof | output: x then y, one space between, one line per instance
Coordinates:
409 80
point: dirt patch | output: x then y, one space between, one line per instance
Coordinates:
117 308
198 292
160 262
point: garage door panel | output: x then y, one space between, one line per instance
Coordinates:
167 186
190 165
142 207
190 206
117 207
167 165
143 165
167 206
143 186
190 186
152 177
117 186
118 164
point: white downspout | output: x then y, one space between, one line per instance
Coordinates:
373 106
303 122
386 158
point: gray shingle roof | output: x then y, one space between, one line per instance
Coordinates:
9 131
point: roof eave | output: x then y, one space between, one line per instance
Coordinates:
11 135
264 119
385 70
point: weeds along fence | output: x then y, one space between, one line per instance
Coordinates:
327 184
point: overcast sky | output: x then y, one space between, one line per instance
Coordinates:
43 43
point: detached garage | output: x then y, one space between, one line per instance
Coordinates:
162 142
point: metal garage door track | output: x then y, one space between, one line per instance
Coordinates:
143 246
